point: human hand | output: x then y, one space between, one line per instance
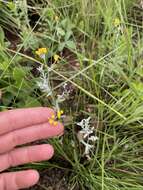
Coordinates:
19 127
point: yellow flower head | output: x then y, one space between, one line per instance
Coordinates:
56 57
53 116
59 113
55 123
116 22
51 121
56 18
41 52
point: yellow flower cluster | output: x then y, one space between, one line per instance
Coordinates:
52 118
59 113
56 57
116 22
41 51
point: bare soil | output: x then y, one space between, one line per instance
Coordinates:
52 179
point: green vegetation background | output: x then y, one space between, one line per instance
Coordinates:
102 63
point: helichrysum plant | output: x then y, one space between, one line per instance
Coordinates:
87 136
45 86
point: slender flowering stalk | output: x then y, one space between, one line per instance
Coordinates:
44 85
119 28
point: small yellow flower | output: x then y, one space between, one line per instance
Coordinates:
116 22
53 116
51 121
59 113
56 18
62 111
41 52
55 123
56 57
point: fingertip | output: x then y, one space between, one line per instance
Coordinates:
47 110
47 151
57 129
50 150
60 127
24 179
33 176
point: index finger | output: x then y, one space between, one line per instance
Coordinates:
20 118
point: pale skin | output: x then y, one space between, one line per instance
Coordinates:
18 127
